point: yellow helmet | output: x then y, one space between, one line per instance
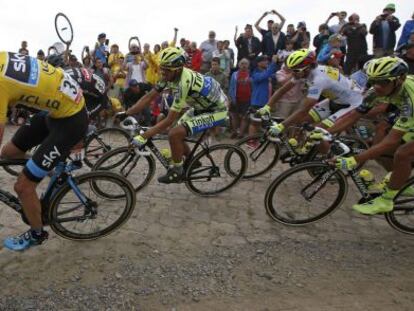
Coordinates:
300 59
385 68
172 57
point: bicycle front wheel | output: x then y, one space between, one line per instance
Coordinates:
262 154
298 197
216 169
102 141
402 217
138 169
85 211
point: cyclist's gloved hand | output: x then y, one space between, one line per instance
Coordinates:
316 135
276 129
121 116
346 163
160 86
139 141
265 110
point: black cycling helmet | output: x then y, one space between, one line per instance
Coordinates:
56 60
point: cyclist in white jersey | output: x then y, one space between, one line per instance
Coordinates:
341 95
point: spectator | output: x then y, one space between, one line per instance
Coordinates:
73 61
231 52
87 62
274 41
157 49
114 56
165 44
223 56
283 54
406 31
118 76
217 73
240 95
261 86
101 49
290 31
41 55
136 70
407 54
183 43
134 51
357 43
103 72
269 24
383 28
207 47
336 29
291 100
195 57
248 46
23 49
321 38
334 42
302 37
152 72
134 92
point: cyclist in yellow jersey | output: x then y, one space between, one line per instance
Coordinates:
203 94
61 124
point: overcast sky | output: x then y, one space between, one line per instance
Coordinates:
153 21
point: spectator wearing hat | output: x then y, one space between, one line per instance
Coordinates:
356 34
134 92
248 46
261 86
41 55
23 48
207 48
301 38
406 31
240 94
383 29
101 49
321 38
334 43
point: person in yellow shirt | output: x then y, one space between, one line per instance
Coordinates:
152 72
114 56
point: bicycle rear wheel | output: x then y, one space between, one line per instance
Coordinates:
297 197
98 214
216 169
402 217
138 169
102 141
262 154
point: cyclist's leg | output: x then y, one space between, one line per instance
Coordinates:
26 137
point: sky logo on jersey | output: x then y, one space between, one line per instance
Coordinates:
22 68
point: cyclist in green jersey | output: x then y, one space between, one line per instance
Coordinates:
388 76
202 94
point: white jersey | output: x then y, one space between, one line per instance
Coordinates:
330 83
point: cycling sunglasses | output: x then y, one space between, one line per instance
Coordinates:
170 69
299 70
381 82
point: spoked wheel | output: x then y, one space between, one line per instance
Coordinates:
262 154
216 169
138 169
402 217
104 140
13 166
296 197
90 211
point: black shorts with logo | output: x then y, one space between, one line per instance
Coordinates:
56 138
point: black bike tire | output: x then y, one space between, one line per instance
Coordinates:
149 158
309 166
54 204
269 144
70 25
99 132
392 219
190 185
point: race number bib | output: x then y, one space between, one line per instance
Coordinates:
70 88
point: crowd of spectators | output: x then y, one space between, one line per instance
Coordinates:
250 72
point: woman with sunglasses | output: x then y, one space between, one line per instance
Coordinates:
390 84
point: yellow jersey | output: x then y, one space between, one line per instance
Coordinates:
34 83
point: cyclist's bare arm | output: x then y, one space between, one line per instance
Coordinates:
389 143
143 102
279 93
302 114
345 122
162 125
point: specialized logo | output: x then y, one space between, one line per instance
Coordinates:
22 68
48 159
